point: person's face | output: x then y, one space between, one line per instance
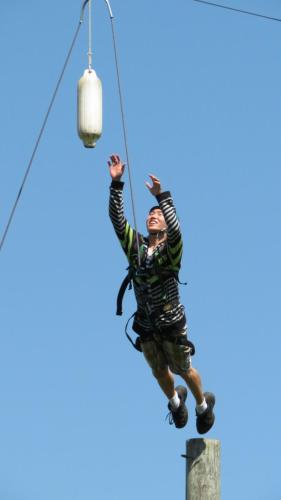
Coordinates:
155 221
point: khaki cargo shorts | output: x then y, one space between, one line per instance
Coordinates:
161 352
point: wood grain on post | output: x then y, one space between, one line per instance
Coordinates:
203 469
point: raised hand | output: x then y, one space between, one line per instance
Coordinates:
155 188
116 167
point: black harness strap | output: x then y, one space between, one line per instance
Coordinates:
127 281
136 344
178 340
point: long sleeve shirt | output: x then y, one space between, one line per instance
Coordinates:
155 284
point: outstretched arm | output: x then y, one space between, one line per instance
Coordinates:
125 233
174 237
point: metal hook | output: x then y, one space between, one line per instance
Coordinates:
84 6
109 9
83 10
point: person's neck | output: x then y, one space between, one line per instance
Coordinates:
155 239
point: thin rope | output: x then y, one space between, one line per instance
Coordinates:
42 127
226 7
90 53
125 134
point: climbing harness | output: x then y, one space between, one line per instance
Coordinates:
141 275
158 336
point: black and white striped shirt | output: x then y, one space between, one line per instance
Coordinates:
156 285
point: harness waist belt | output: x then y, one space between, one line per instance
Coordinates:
153 313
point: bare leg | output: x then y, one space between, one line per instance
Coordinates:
193 380
156 360
165 379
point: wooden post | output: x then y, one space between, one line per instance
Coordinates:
202 469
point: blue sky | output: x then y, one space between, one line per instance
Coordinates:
80 415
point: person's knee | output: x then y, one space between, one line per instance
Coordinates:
160 372
189 374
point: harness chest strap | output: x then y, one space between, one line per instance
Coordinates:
134 273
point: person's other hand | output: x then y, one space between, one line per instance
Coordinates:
116 167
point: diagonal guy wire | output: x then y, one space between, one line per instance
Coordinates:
226 7
42 127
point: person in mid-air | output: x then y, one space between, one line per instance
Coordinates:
160 320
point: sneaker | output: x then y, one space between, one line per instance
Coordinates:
179 416
205 421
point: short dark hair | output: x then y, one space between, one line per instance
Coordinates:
156 207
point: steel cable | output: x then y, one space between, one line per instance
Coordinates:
124 132
90 52
12 213
226 7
